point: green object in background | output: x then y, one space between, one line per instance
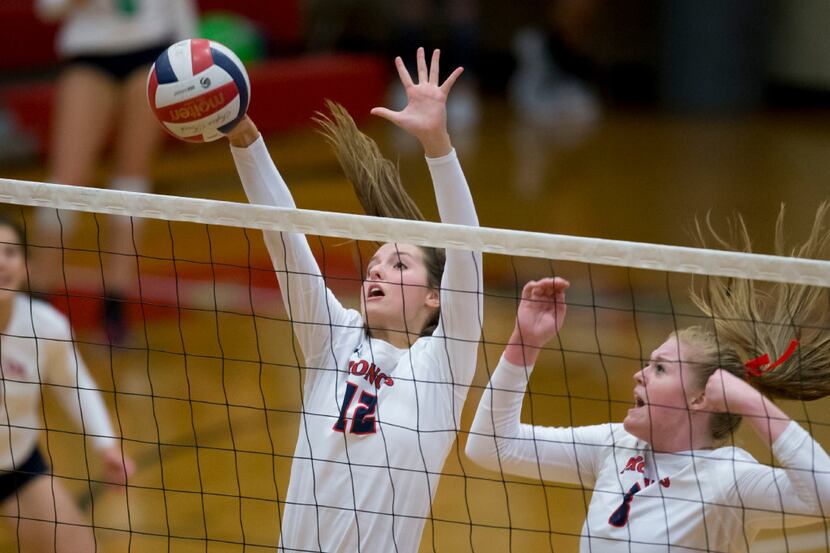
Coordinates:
126 6
234 31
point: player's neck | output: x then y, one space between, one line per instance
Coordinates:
693 436
397 338
6 309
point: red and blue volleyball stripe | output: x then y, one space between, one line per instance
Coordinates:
198 89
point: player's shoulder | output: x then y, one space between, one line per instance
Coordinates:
607 433
46 320
733 452
739 458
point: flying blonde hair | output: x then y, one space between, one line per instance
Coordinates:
749 319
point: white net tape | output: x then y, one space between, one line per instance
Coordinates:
490 240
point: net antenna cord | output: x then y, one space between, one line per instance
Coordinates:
678 259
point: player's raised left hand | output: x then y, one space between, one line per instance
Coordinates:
542 310
425 114
540 315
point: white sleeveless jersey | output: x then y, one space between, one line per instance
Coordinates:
377 421
99 27
703 500
37 355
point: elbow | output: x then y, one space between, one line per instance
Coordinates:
482 451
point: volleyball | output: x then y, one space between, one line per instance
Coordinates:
198 89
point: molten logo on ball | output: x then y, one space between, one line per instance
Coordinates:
196 109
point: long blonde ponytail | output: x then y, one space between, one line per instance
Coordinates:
749 319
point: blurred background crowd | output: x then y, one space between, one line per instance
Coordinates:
557 65
592 117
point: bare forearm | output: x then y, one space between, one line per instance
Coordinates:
765 418
437 144
243 134
520 353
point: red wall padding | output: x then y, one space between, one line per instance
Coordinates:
25 41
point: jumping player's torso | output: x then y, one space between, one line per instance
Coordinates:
373 438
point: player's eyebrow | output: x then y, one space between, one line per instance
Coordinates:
409 255
397 254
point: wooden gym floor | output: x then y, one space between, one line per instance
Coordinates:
193 383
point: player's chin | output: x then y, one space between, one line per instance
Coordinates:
636 423
376 313
7 294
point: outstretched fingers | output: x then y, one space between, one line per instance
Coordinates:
434 67
423 74
403 73
387 114
448 84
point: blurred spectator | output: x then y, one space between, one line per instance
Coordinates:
107 47
555 104
452 25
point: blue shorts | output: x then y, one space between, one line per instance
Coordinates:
12 480
119 66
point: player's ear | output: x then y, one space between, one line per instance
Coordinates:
697 401
433 299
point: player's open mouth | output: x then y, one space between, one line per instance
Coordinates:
374 291
638 401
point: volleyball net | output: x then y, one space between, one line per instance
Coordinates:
206 388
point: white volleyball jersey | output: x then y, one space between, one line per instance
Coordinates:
37 355
703 500
102 27
377 421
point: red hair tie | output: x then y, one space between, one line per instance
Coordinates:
755 366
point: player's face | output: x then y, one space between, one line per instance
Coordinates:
395 293
12 263
663 392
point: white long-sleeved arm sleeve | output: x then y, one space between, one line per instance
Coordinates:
314 311
801 487
499 442
461 283
72 385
